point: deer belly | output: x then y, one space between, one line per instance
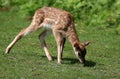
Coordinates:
47 26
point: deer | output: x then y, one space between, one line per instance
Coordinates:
61 24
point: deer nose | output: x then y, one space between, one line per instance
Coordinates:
83 61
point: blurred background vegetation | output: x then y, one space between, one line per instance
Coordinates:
88 13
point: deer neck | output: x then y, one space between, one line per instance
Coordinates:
72 36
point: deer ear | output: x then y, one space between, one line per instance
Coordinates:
86 43
76 44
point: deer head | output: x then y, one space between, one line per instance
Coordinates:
80 50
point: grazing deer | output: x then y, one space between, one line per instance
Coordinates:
61 23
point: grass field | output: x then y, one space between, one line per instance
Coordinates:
27 59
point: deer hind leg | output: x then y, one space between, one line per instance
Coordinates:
60 45
35 25
43 43
22 33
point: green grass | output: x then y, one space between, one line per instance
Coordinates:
27 59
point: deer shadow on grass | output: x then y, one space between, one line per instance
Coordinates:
75 60
88 63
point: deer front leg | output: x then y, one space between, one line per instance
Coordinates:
60 45
43 43
60 49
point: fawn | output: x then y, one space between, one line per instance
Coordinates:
61 24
